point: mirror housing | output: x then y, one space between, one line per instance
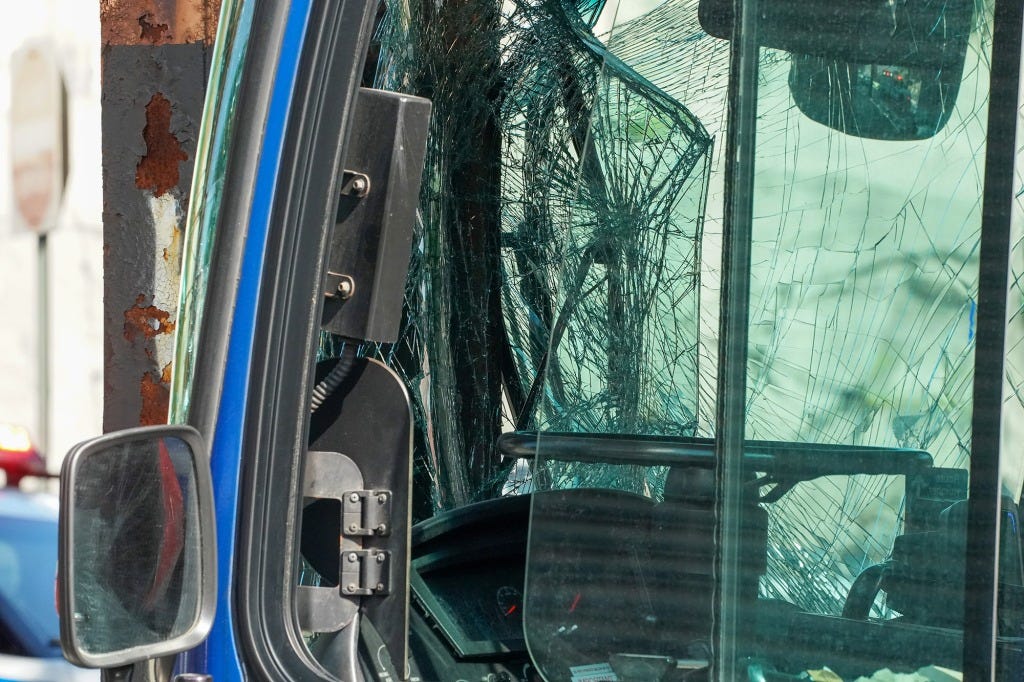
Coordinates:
928 34
867 68
137 556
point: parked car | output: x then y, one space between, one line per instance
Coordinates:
29 628
19 456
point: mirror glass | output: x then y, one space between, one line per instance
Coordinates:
879 101
880 69
135 544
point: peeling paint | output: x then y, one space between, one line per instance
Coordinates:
167 216
146 321
158 169
152 32
149 46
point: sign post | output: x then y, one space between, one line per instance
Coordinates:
38 170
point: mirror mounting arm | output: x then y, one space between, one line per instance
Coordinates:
151 670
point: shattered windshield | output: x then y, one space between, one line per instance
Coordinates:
864 276
561 320
515 191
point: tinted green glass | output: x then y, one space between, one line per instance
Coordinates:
864 281
207 193
867 207
629 368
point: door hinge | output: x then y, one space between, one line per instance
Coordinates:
366 572
366 512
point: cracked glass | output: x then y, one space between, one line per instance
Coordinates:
135 582
565 286
867 205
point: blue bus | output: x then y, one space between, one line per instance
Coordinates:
580 341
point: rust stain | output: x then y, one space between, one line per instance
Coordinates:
120 21
152 32
174 248
147 321
158 169
197 19
156 397
163 22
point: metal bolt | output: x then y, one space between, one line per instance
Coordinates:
347 287
352 557
353 527
351 587
380 587
354 497
359 185
382 499
380 558
382 528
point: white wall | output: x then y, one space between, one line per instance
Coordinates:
75 246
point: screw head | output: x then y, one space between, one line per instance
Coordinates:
380 587
382 499
351 587
354 497
382 528
352 557
353 527
380 558
347 287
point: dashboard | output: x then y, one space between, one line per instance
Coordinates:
466 584
468 575
468 581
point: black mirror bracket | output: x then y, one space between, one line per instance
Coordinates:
372 240
363 571
356 518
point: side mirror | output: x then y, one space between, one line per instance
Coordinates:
137 560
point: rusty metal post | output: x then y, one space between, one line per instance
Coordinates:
154 67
